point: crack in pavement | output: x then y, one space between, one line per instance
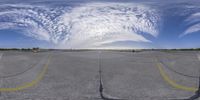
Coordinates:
19 73
30 66
1 54
177 72
196 95
101 83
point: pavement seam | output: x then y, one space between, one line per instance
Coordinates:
173 70
32 83
102 96
19 73
172 82
179 73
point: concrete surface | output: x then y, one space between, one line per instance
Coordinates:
76 75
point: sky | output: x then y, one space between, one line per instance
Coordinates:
116 24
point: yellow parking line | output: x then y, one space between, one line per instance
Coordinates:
172 82
30 84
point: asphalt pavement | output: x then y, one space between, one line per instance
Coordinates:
98 75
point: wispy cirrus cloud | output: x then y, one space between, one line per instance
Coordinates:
192 24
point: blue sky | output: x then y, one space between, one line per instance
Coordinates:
95 24
14 39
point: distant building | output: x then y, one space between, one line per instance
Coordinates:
35 50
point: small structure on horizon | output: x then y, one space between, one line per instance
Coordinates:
35 50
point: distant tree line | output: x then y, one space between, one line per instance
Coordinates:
76 50
189 49
19 49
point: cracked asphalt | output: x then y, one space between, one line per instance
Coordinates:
98 75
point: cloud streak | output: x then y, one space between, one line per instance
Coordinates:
192 23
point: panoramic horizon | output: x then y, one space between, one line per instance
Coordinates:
97 24
99 49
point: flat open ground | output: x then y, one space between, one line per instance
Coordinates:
98 75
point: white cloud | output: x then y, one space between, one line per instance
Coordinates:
193 18
86 25
192 29
193 23
103 23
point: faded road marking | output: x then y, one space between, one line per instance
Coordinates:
172 82
1 55
198 56
30 84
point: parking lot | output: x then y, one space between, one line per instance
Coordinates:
98 75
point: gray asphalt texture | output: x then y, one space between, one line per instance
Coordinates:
76 75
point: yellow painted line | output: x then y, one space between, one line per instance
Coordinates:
30 84
172 82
